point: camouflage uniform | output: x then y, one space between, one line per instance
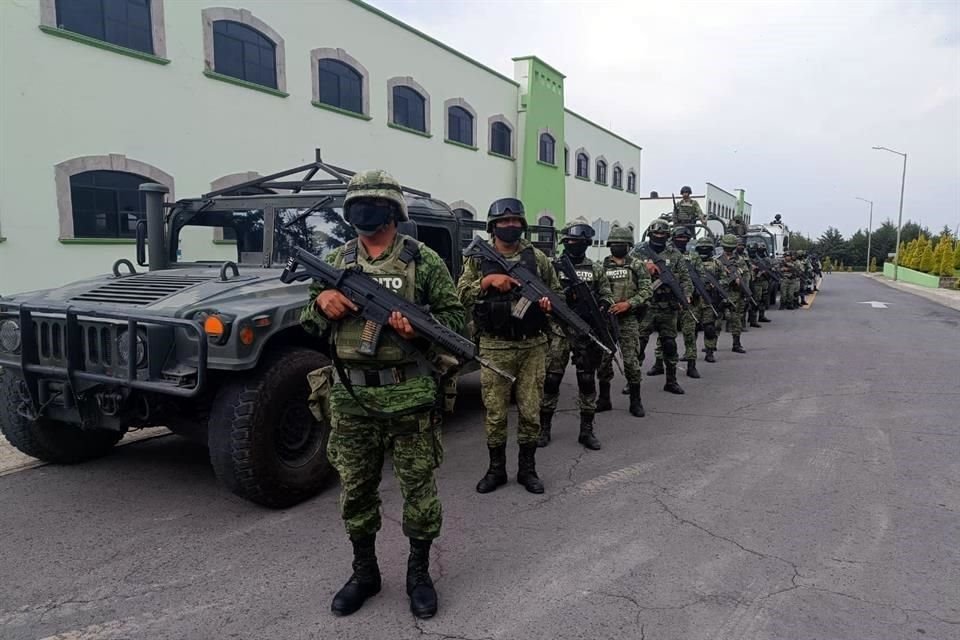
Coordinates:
359 442
705 315
790 283
760 287
688 322
735 267
687 213
662 311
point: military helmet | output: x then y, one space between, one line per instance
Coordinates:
728 241
680 230
738 218
376 183
685 189
503 209
577 229
620 234
659 226
705 241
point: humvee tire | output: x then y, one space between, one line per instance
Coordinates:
265 445
45 439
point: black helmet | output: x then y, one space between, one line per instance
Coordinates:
680 230
685 189
503 209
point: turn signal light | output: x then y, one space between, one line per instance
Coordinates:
246 336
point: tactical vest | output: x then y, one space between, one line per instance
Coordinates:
396 273
584 271
623 280
686 213
493 311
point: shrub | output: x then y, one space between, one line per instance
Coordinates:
946 263
873 264
956 256
926 262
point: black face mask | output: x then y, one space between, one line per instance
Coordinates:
369 217
619 250
739 251
508 235
705 252
658 244
576 250
681 244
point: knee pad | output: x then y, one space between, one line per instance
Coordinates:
551 384
669 347
710 331
586 382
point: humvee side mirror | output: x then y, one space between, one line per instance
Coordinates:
142 242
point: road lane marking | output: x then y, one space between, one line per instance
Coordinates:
875 305
810 299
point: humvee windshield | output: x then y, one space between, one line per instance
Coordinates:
319 232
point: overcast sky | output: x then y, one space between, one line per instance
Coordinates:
781 98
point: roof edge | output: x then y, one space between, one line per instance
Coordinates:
604 129
541 61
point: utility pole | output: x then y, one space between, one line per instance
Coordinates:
869 229
903 182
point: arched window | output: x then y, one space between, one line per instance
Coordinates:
548 149
617 177
631 182
242 52
340 85
133 24
409 108
601 171
583 166
501 137
106 204
460 125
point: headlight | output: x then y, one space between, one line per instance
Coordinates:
10 336
123 349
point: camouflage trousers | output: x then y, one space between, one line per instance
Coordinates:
687 326
735 313
357 447
527 363
662 319
558 355
708 322
629 343
789 290
760 288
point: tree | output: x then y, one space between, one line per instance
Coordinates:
826 263
873 264
926 261
946 261
956 256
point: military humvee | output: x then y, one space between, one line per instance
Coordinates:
211 349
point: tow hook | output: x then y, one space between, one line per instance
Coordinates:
109 402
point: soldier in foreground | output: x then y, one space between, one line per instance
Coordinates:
661 313
384 403
518 346
575 239
733 269
790 283
760 285
708 321
687 211
631 288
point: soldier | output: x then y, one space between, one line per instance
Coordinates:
519 346
737 226
705 251
760 285
688 322
385 403
746 270
789 284
687 211
575 238
806 276
661 314
630 284
733 269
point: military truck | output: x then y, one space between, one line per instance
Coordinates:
211 349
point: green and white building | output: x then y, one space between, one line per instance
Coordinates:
97 97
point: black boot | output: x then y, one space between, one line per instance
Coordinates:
603 399
626 390
423 597
709 357
636 407
365 581
763 316
656 369
527 472
546 422
752 317
671 384
497 473
587 437
737 347
692 369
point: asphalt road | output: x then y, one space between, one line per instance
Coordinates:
809 489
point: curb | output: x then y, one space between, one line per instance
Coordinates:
943 297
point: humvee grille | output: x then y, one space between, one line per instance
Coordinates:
141 290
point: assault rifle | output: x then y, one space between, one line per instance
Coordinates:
736 277
531 290
375 303
667 278
586 305
765 267
701 288
712 280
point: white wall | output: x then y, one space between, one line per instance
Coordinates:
61 99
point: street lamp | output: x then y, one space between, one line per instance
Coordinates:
869 229
903 181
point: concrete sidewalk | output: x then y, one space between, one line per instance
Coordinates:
946 297
12 460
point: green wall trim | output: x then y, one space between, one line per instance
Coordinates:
103 44
460 144
540 62
582 178
97 241
605 130
400 127
547 164
433 41
243 83
233 242
500 155
911 276
343 112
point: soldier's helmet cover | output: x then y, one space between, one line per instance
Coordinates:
728 241
620 234
578 229
504 209
659 226
680 230
685 189
376 183
705 242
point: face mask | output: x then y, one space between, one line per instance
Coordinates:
369 217
508 235
619 250
705 252
739 251
575 250
681 244
658 244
